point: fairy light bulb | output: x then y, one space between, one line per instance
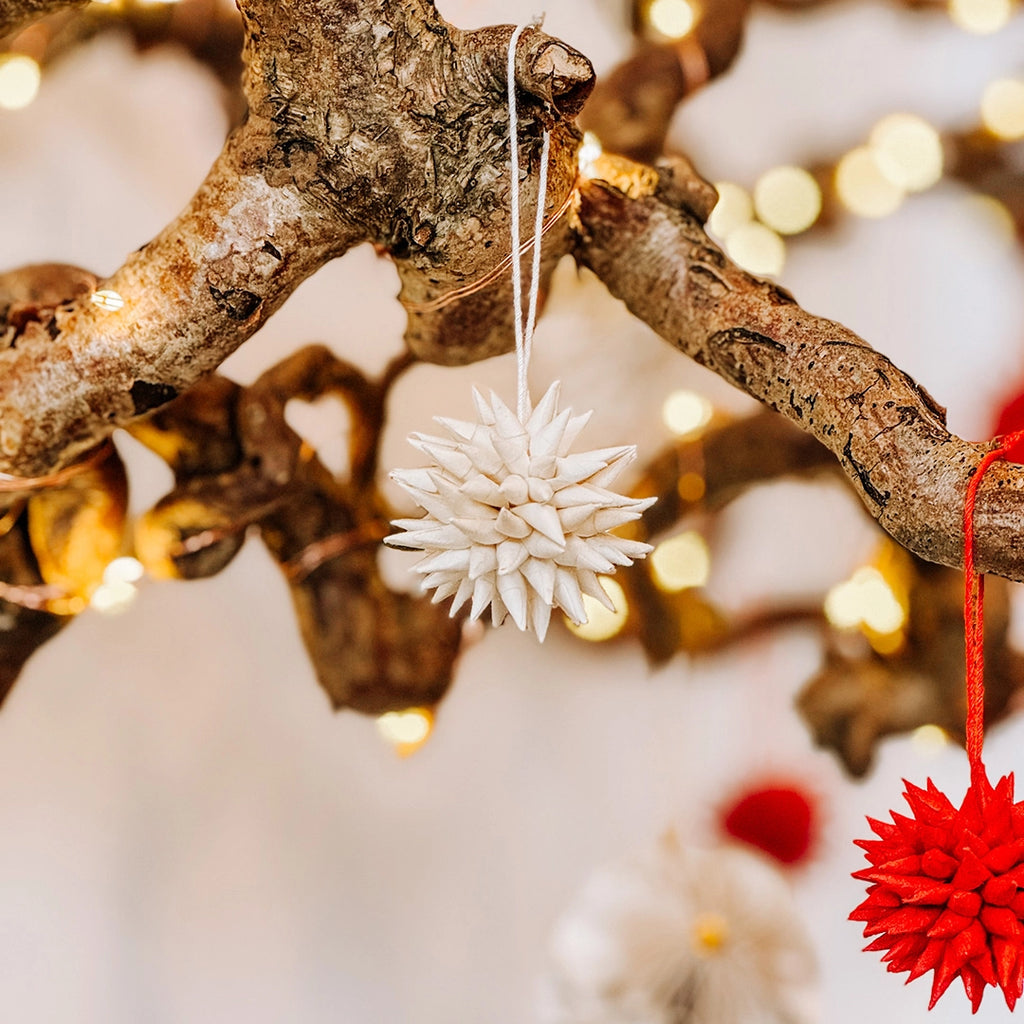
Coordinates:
980 17
686 413
787 199
866 598
908 151
673 19
733 209
19 80
588 155
406 730
602 623
863 188
1002 108
681 562
929 740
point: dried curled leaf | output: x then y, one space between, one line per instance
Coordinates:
77 529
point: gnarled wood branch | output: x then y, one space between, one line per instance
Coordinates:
374 120
888 434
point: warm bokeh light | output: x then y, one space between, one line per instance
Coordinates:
589 151
602 624
929 740
863 188
681 562
113 597
787 199
686 413
107 299
908 151
757 249
406 730
867 599
19 80
981 17
994 215
691 487
733 209
1002 108
124 570
672 18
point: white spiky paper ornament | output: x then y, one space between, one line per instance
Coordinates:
515 520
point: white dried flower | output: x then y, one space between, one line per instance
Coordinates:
683 936
513 519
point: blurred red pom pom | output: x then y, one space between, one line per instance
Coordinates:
780 819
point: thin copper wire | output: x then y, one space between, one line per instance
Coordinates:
311 557
13 484
482 282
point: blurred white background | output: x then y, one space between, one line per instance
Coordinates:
188 834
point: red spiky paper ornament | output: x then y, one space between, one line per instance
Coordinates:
946 890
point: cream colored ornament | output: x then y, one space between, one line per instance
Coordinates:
515 520
678 935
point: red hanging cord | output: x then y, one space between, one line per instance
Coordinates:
974 614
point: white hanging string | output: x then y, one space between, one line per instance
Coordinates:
524 333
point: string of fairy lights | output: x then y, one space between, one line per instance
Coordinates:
904 154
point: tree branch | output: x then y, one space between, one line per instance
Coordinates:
888 434
403 150
15 14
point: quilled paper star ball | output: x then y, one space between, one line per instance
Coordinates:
947 890
515 520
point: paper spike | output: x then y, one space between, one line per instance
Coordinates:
548 440
457 463
506 423
478 531
462 595
483 560
540 574
483 489
511 555
590 584
512 589
568 596
446 561
572 517
459 429
573 430
510 525
544 410
540 617
413 479
483 410
606 477
483 592
544 519
498 610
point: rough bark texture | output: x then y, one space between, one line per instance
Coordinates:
368 121
888 434
374 120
